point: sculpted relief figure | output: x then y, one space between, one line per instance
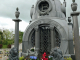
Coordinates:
13 54
57 54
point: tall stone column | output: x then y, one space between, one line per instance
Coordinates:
37 41
76 30
16 41
52 38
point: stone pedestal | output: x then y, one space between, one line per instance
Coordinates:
76 34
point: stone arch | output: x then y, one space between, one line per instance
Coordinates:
35 23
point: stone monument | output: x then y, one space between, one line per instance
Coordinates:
15 50
48 29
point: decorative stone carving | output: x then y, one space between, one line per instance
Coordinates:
57 54
17 13
73 0
74 6
31 12
69 19
13 54
44 7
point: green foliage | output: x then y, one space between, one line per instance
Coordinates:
7 37
68 58
10 42
4 46
4 42
37 58
20 36
8 34
50 58
32 50
21 58
1 35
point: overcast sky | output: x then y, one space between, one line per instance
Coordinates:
8 8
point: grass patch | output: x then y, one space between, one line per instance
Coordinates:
4 46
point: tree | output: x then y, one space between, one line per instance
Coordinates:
8 35
20 36
1 36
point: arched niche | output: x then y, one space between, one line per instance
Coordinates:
30 29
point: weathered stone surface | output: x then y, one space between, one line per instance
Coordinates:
57 54
13 54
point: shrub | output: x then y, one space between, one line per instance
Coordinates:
1 45
21 58
68 58
9 46
32 50
5 42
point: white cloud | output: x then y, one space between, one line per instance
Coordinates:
23 25
7 23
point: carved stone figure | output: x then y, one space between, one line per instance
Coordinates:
57 54
13 54
17 13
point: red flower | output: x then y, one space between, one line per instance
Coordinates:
44 58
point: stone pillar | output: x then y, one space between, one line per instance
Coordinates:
76 30
76 34
52 38
37 41
16 41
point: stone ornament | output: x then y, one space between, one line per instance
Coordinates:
13 54
17 13
74 6
44 7
69 19
73 0
57 54
31 12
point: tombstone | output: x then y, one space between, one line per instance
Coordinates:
47 29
